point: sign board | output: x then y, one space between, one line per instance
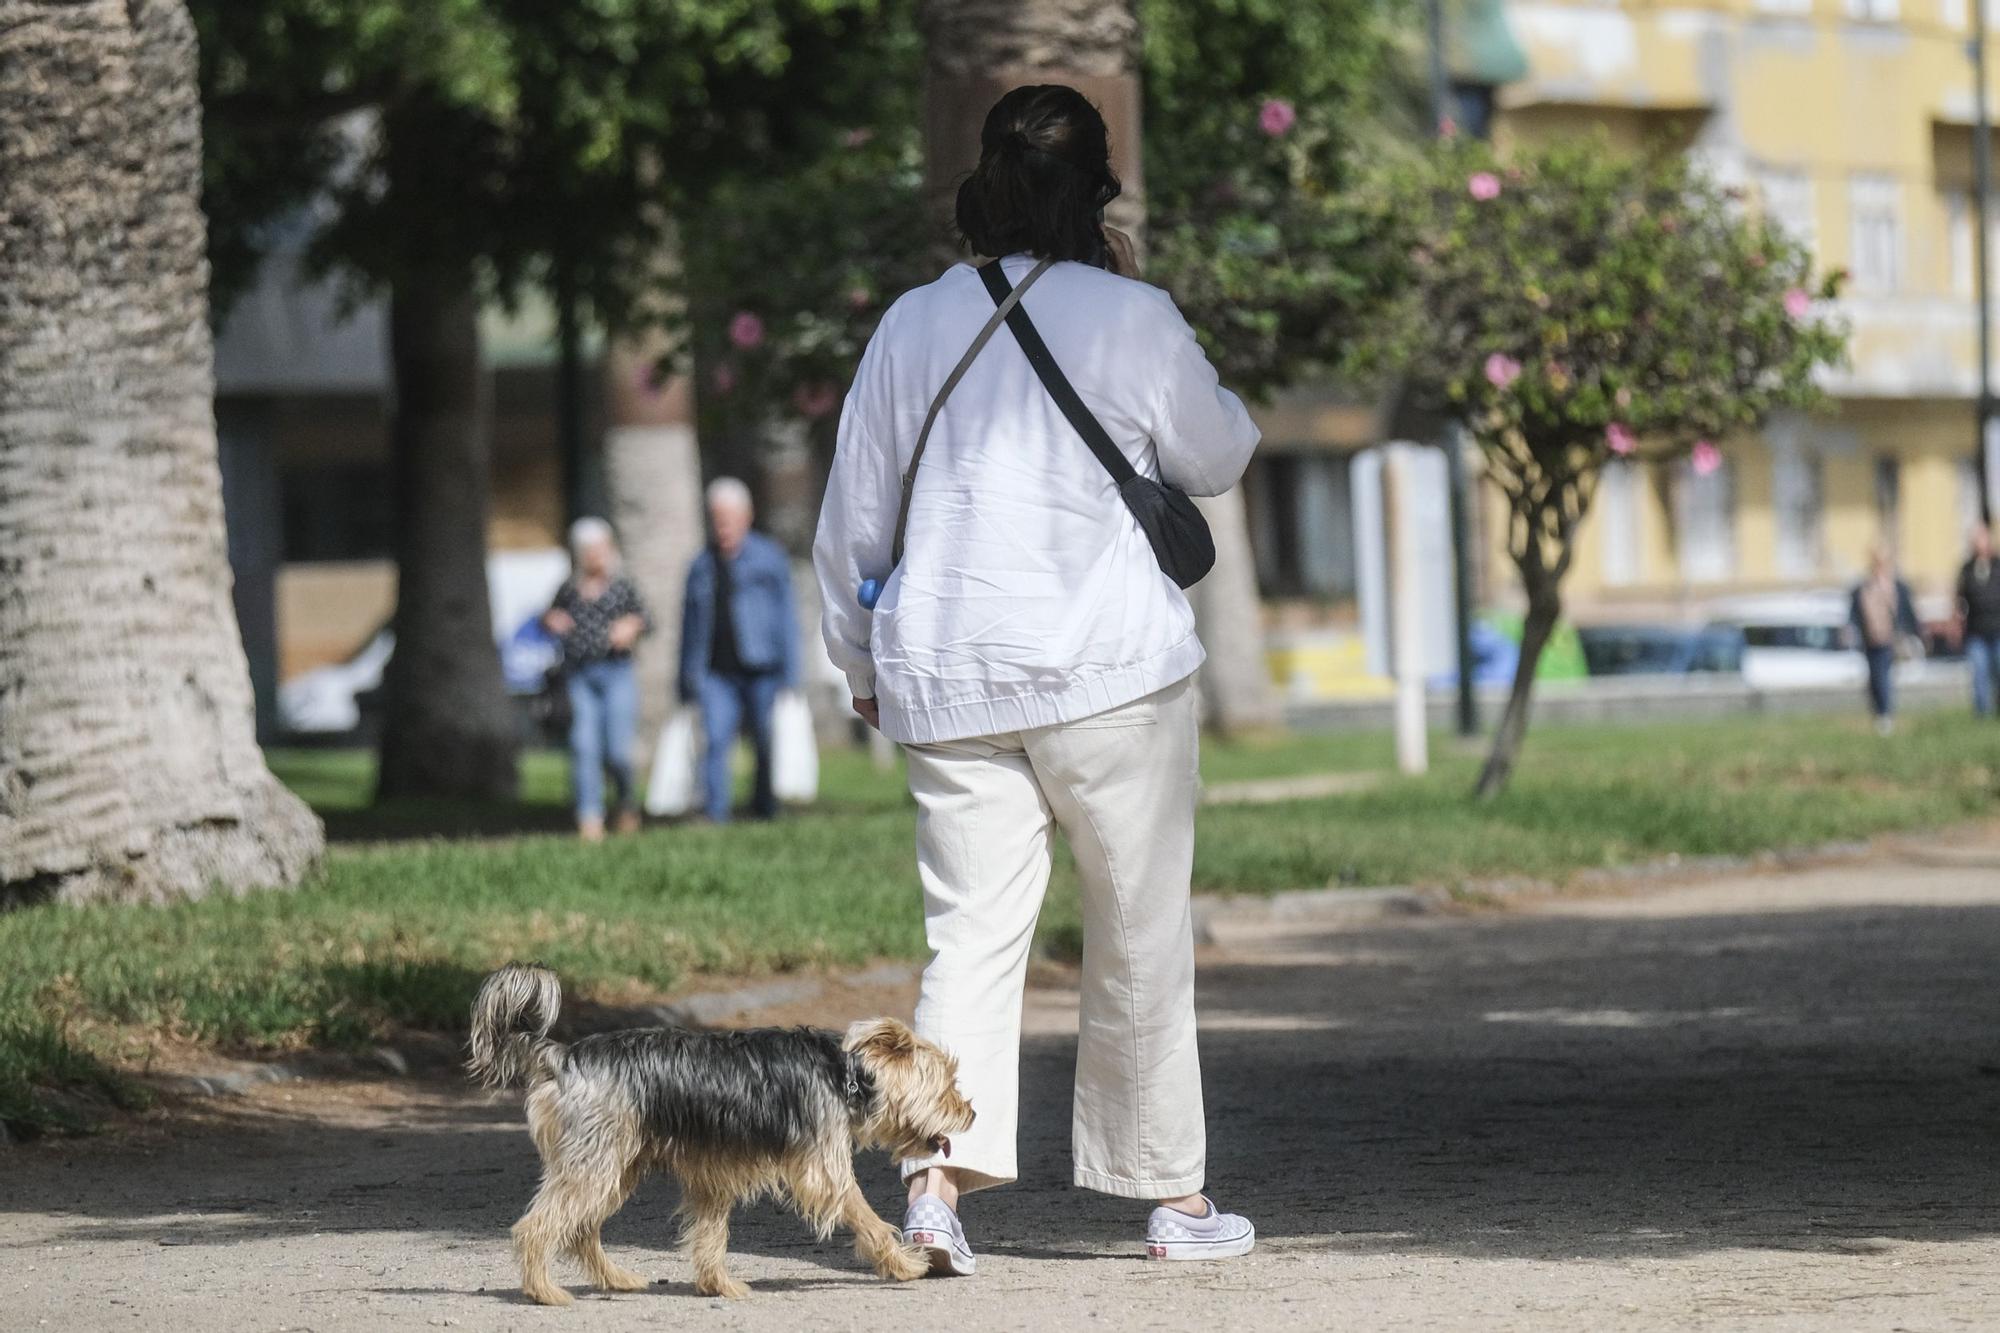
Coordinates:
1423 499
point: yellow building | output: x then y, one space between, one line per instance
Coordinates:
1849 121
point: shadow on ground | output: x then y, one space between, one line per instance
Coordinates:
1550 1087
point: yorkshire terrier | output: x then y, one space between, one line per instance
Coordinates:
735 1115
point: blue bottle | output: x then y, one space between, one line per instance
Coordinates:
869 593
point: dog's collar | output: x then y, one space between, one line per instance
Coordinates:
858 1085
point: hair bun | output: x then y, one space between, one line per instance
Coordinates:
1017 141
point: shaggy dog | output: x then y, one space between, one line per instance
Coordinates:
734 1115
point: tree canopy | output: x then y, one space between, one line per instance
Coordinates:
1572 305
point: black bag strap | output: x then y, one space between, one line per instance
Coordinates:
1058 385
937 403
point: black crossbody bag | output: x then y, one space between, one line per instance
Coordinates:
1176 529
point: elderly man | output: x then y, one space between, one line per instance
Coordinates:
739 643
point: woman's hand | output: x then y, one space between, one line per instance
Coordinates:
558 622
625 632
870 711
1118 250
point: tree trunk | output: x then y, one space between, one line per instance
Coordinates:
1544 609
977 50
128 762
653 474
449 728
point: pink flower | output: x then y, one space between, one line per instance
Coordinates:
814 401
1483 185
1502 370
856 138
1618 439
1276 116
858 298
1447 128
746 330
722 379
1797 303
1705 458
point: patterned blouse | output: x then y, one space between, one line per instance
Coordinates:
590 641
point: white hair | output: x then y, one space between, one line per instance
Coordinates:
589 532
729 491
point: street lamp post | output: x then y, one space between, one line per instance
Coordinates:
1455 462
1982 164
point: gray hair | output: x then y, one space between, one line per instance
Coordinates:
729 491
589 532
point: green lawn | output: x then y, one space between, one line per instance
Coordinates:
396 931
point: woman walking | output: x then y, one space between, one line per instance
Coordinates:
599 617
1033 659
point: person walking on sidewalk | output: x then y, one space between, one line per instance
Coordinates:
599 616
1034 661
739 645
1979 613
1882 614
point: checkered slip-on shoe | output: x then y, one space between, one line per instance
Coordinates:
933 1227
1171 1234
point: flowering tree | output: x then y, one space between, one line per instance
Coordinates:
1571 306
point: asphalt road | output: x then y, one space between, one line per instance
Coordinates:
1763 1101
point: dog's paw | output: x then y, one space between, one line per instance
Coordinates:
623 1279
547 1293
728 1288
905 1263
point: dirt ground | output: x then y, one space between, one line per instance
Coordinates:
1755 1101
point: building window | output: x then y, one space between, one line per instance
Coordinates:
1788 203
1798 494
1873 11
1303 525
1705 523
1877 233
1618 498
1784 6
1958 222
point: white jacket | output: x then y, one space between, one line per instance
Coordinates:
1027 594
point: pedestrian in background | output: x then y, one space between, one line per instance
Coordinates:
1979 614
739 644
1882 613
599 616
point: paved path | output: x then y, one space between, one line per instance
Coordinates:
1765 1101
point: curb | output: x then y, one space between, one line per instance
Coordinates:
1217 916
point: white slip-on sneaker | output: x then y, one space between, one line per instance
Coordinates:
1172 1234
934 1228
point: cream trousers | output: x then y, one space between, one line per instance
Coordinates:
1121 785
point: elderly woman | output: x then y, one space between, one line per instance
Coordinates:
599 616
1034 659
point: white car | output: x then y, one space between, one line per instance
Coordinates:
327 701
1800 641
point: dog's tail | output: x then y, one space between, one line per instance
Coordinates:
511 1018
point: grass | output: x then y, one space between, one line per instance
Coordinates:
395 931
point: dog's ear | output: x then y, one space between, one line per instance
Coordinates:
883 1038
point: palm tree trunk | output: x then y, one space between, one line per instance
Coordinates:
978 49
1544 610
128 761
449 728
652 467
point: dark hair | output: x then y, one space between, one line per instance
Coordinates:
1043 179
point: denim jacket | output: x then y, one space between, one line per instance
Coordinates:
767 628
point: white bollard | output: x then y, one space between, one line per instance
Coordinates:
1405 612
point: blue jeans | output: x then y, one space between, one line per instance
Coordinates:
604 712
728 704
1983 652
1881 685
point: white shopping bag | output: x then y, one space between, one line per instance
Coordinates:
794 751
670 789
